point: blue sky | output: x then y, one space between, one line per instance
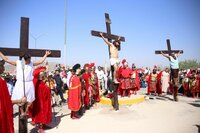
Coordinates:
145 24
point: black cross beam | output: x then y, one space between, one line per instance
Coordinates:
169 51
108 34
24 34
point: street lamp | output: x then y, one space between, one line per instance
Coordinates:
65 33
36 38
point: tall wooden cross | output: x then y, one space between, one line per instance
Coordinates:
169 50
110 37
108 34
24 34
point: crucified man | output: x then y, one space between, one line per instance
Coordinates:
174 65
114 58
27 73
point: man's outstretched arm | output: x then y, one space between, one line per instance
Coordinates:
105 40
12 62
178 53
164 55
38 62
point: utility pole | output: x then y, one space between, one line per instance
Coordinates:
65 34
36 38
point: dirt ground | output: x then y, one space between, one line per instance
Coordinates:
158 115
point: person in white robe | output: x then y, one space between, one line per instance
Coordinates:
165 78
24 85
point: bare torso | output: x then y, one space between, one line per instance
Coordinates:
113 52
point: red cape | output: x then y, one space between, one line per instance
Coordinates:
41 110
96 96
125 72
85 77
6 109
198 80
137 80
149 86
159 85
74 93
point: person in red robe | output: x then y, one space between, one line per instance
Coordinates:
94 83
152 82
135 80
198 78
185 83
159 85
74 93
41 110
124 76
85 78
6 109
193 82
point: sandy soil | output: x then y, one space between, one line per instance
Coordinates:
159 115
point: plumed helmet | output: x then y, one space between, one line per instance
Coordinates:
123 61
75 67
37 72
91 65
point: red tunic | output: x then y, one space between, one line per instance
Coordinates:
41 110
85 77
198 84
151 85
124 75
159 85
137 80
6 109
185 83
74 93
96 84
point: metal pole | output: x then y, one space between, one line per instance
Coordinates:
36 38
23 122
65 33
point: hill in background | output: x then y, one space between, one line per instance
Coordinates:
10 68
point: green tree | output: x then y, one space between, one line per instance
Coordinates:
187 64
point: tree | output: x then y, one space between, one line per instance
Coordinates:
187 64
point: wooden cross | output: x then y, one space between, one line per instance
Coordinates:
110 37
24 34
169 51
108 34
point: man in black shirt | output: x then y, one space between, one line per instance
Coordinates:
59 84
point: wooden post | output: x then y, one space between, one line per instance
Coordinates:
24 37
169 51
110 37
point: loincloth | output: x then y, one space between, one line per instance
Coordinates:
114 61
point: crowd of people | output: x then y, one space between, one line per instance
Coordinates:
84 86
